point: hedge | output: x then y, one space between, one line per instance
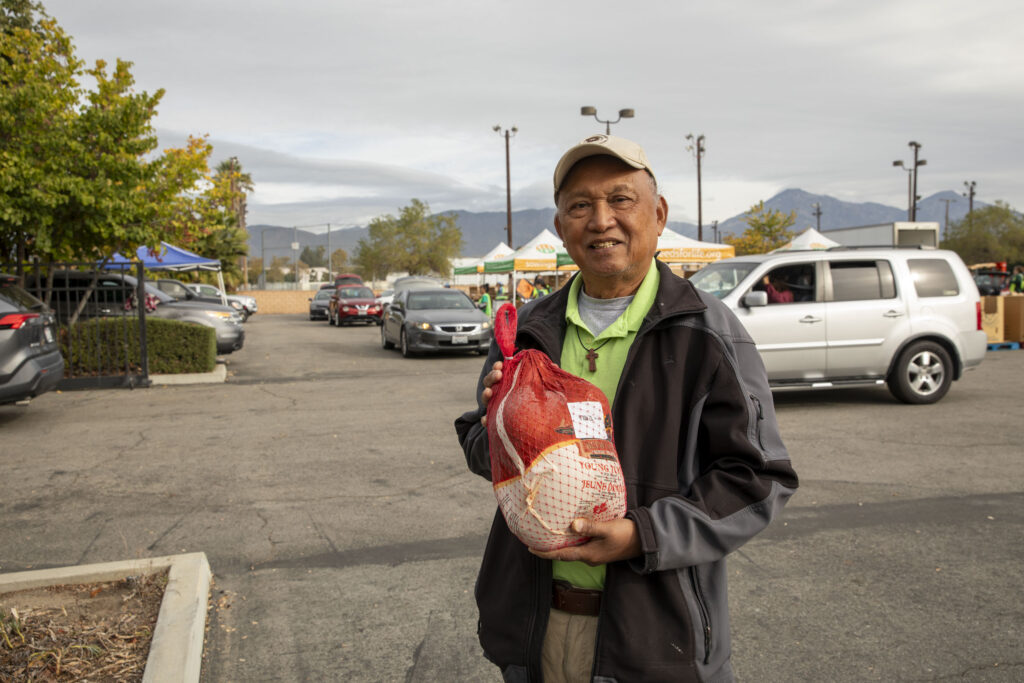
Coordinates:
103 345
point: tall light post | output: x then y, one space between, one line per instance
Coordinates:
714 230
623 114
912 181
508 133
910 200
697 147
945 226
817 214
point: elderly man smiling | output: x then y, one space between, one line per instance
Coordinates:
695 429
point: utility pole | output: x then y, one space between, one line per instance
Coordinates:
330 263
508 133
263 263
697 147
970 194
714 229
295 252
945 225
817 214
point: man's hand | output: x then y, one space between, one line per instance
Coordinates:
609 542
490 380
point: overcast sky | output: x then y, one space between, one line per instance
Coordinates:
345 110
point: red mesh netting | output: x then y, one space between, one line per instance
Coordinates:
552 455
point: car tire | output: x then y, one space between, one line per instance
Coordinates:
922 375
404 343
384 343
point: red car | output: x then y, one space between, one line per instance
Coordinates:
353 303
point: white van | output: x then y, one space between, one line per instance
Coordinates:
906 317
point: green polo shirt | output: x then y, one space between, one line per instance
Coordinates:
611 357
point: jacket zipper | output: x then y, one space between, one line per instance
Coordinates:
705 621
760 419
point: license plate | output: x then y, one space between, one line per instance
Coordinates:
48 334
460 339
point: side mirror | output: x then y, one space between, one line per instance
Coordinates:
755 299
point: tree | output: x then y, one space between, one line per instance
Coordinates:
339 259
79 179
414 241
314 256
992 233
767 230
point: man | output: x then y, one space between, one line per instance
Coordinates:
694 423
1017 281
485 300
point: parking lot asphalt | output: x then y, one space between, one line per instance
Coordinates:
324 482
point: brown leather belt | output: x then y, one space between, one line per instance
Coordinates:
567 598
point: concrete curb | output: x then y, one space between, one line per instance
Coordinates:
176 651
219 374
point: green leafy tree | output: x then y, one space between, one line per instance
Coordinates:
314 256
992 233
414 241
768 229
339 260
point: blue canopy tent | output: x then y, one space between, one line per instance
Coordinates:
170 257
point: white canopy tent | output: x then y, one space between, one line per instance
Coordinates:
808 239
676 248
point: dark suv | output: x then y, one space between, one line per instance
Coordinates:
30 360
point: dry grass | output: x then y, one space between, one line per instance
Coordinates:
83 632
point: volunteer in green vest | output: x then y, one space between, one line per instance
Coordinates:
694 426
484 302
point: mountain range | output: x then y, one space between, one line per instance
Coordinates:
481 231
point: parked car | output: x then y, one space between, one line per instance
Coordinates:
115 294
246 304
181 291
348 279
909 318
428 320
992 282
318 304
30 360
384 298
351 304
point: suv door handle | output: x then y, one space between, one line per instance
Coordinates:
893 314
810 319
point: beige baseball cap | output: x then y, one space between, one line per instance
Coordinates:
620 148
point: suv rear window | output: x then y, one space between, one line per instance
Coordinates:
933 277
14 298
861 280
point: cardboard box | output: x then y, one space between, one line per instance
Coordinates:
992 318
1013 318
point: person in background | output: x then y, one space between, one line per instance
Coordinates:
777 289
1017 281
540 288
695 429
484 302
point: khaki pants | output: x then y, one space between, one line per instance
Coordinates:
568 654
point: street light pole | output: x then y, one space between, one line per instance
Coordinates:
910 190
945 226
623 114
697 147
916 146
508 181
817 214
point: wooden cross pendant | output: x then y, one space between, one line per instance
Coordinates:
592 357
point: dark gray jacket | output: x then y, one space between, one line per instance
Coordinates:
705 470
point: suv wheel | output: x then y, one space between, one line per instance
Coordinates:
384 343
922 374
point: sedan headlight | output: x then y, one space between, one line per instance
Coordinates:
485 325
223 315
423 326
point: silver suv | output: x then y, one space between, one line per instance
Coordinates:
909 318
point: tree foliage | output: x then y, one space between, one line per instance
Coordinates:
415 241
79 176
992 233
768 229
315 257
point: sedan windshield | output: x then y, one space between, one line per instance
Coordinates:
447 300
323 294
719 279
